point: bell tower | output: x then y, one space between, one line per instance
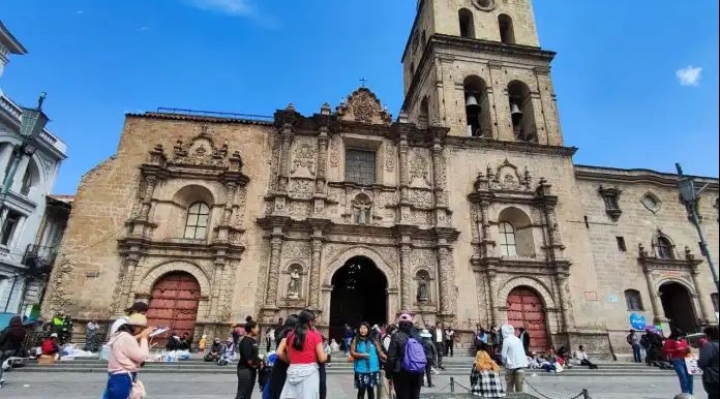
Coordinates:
476 66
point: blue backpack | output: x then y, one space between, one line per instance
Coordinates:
414 360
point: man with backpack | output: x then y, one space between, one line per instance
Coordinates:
406 359
633 340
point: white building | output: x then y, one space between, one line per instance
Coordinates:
22 208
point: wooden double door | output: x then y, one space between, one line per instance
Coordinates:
174 304
526 309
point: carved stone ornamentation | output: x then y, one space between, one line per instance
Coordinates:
334 153
390 158
302 189
200 151
295 250
295 283
420 168
364 106
508 177
421 199
304 157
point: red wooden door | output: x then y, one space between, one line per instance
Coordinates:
174 304
525 309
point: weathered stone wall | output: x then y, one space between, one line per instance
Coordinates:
89 263
618 271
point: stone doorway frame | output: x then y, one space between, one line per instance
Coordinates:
339 261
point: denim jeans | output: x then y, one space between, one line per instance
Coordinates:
637 353
348 342
686 380
118 386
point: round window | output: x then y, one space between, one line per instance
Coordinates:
484 4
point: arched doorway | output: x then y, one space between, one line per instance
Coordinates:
526 309
678 307
359 294
174 304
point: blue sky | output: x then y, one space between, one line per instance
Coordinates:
621 99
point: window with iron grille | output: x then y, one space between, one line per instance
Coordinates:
8 228
360 166
634 300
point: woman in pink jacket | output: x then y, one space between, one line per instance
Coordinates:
128 350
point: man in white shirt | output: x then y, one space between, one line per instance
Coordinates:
514 359
137 307
582 358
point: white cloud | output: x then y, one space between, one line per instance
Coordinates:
143 29
689 76
236 8
80 12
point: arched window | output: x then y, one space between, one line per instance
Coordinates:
477 107
664 248
522 112
507 35
30 178
633 300
467 23
508 246
198 220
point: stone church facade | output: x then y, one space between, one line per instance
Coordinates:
466 209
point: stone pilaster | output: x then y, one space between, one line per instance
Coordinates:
287 140
150 183
126 297
440 176
654 298
707 315
447 285
563 290
276 244
492 287
405 273
404 167
315 273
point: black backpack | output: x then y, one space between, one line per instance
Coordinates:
630 338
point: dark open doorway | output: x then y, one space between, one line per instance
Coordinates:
678 307
359 294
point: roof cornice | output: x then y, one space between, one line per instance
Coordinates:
10 41
617 175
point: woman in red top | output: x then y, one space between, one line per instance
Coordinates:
303 350
676 349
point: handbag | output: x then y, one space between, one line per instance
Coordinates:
138 390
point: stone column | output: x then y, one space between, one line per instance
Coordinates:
315 275
276 243
323 141
486 237
446 284
562 287
126 297
150 183
492 286
403 149
217 279
654 298
554 227
706 313
439 174
405 274
20 173
230 189
287 139
492 114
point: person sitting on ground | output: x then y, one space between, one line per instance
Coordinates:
173 343
202 344
185 342
582 358
563 356
485 376
213 354
227 352
533 361
50 346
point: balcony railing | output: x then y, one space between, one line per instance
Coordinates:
39 259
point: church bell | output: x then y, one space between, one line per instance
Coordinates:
471 102
515 113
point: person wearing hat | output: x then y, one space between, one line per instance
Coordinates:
137 308
126 355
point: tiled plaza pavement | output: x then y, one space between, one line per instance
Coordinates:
209 386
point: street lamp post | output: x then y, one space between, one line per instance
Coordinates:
690 197
32 124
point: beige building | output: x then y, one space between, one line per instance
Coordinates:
466 209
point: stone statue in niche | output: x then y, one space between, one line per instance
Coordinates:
423 294
294 284
362 207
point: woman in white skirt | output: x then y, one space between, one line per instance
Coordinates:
303 350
